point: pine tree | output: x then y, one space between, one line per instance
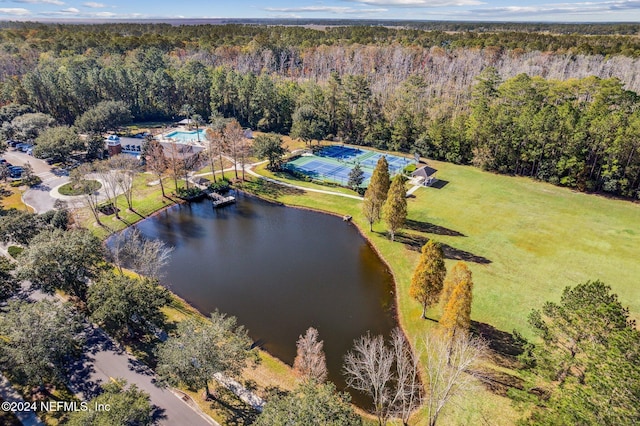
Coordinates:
428 278
460 272
356 177
395 208
456 318
376 193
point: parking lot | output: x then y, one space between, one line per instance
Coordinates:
38 197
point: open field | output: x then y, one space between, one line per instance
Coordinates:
524 240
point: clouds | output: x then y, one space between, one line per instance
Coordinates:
323 9
419 3
55 2
480 10
14 11
577 9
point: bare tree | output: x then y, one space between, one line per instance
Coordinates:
80 179
448 364
125 168
109 180
217 145
245 149
408 389
156 162
389 375
368 368
129 249
175 163
212 136
310 360
233 135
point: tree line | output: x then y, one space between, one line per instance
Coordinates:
119 37
577 133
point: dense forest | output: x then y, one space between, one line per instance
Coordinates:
527 103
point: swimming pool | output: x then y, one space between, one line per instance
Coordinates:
185 137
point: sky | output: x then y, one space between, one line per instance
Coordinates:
456 10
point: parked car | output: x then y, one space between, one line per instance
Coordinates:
12 143
26 147
15 172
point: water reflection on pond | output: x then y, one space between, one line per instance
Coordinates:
279 270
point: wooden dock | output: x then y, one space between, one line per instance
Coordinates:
219 200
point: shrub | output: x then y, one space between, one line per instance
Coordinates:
189 193
221 186
107 209
71 189
410 168
14 251
33 181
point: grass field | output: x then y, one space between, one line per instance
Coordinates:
525 241
11 197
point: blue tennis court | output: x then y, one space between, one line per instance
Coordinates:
335 162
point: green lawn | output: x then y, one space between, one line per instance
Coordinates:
147 199
528 241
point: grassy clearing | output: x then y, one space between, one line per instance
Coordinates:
70 189
524 242
11 198
147 200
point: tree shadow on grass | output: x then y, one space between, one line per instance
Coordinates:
501 342
439 184
415 242
504 349
430 228
235 412
264 188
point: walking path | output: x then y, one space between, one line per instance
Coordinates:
320 191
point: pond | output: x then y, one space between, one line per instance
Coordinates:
279 270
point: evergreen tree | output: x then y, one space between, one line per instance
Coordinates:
428 277
590 356
310 404
201 349
269 146
376 193
356 177
128 406
459 273
456 318
395 207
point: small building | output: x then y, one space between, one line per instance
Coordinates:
117 145
425 174
114 146
185 122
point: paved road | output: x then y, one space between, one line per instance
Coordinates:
103 361
38 197
9 394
